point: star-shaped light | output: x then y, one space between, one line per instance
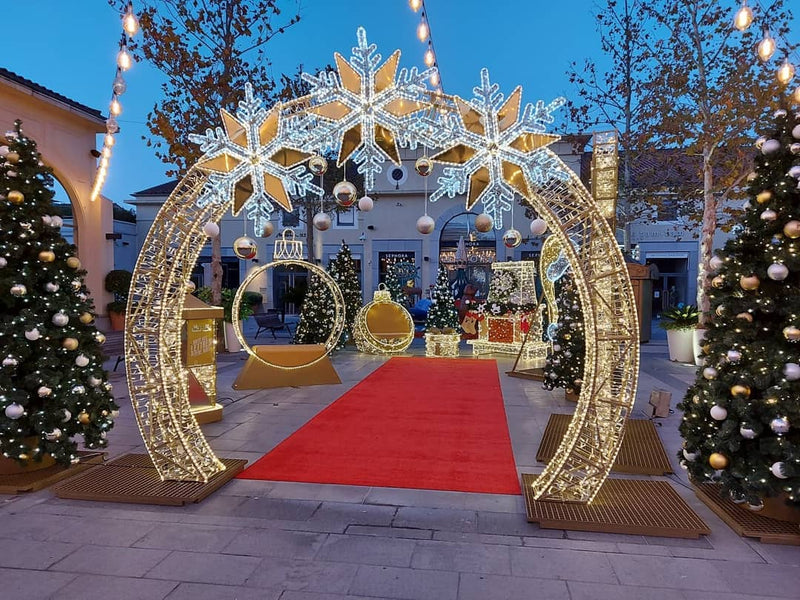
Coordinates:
495 151
250 159
366 109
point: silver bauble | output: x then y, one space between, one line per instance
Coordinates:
779 425
44 391
32 335
18 290
538 226
365 204
710 373
322 221
14 411
734 356
60 319
770 146
718 413
791 371
211 229
777 272
425 225
747 433
82 360
779 470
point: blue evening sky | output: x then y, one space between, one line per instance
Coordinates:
70 47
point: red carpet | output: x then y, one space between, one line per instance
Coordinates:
436 424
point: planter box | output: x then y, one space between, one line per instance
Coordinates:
681 345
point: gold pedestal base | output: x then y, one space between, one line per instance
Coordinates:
256 375
207 413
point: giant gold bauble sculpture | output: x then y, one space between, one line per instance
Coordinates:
493 146
383 326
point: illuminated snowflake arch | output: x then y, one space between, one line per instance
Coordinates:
492 149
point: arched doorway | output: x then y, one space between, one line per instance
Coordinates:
467 254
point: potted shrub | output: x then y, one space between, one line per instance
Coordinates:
118 282
246 308
680 323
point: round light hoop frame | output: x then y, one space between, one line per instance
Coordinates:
338 317
367 342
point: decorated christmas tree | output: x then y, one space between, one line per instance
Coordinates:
317 313
564 367
393 283
52 383
442 312
343 271
741 418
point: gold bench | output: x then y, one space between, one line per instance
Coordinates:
289 367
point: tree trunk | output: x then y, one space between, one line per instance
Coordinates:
706 236
216 269
310 233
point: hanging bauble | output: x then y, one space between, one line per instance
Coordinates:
764 197
47 256
67 416
12 157
734 356
796 132
484 223
18 290
44 391
15 197
78 389
795 172
538 226
56 221
770 146
4 151
768 215
3 262
83 418
779 470
740 390
777 272
73 262
746 432
745 316
718 461
512 238
760 142
718 413
268 229
10 361
317 165
779 114
53 435
81 360
791 333
791 371
69 343
365 204
322 221
718 281
758 506
715 263
100 337
425 224
14 411
32 335
795 148
749 282
86 318
779 425
51 287
423 166
344 193
60 319
792 229
76 284
720 310
710 373
245 247
690 456
211 229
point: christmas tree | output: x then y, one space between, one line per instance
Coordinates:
741 421
564 367
442 312
317 313
393 283
343 271
52 383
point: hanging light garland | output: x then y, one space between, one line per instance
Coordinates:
424 36
130 26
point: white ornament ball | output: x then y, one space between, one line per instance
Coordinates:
3 262
425 224
710 373
4 151
95 381
322 221
18 290
47 220
51 287
779 113
779 470
747 433
779 425
44 391
769 215
365 204
777 272
82 360
53 435
770 146
718 413
60 319
690 456
716 262
67 416
484 223
78 389
796 132
791 371
32 335
795 172
56 221
538 226
211 229
14 411
10 361
734 356
795 148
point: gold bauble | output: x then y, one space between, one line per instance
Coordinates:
718 461
745 316
47 256
317 165
268 229
749 282
16 197
720 310
101 339
764 197
791 333
423 166
24 456
83 418
12 157
73 262
484 223
740 390
70 343
718 281
791 229
86 318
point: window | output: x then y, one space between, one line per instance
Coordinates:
390 258
290 219
668 209
346 219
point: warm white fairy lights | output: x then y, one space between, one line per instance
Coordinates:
130 26
424 36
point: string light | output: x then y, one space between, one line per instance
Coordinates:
424 35
744 17
786 72
415 4
129 22
422 30
766 47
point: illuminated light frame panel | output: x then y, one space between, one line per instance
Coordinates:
159 387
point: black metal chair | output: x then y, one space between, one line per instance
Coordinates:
270 320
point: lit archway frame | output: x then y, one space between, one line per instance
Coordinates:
493 150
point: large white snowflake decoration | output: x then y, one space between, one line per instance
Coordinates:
365 111
249 160
493 151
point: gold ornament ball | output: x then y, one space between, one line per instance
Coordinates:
423 166
484 223
764 197
512 238
16 197
745 316
245 247
718 461
86 318
83 418
718 281
317 165
345 193
749 282
47 256
73 262
101 339
791 333
740 390
791 229
24 456
268 230
12 157
70 343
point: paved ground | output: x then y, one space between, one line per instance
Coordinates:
289 541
